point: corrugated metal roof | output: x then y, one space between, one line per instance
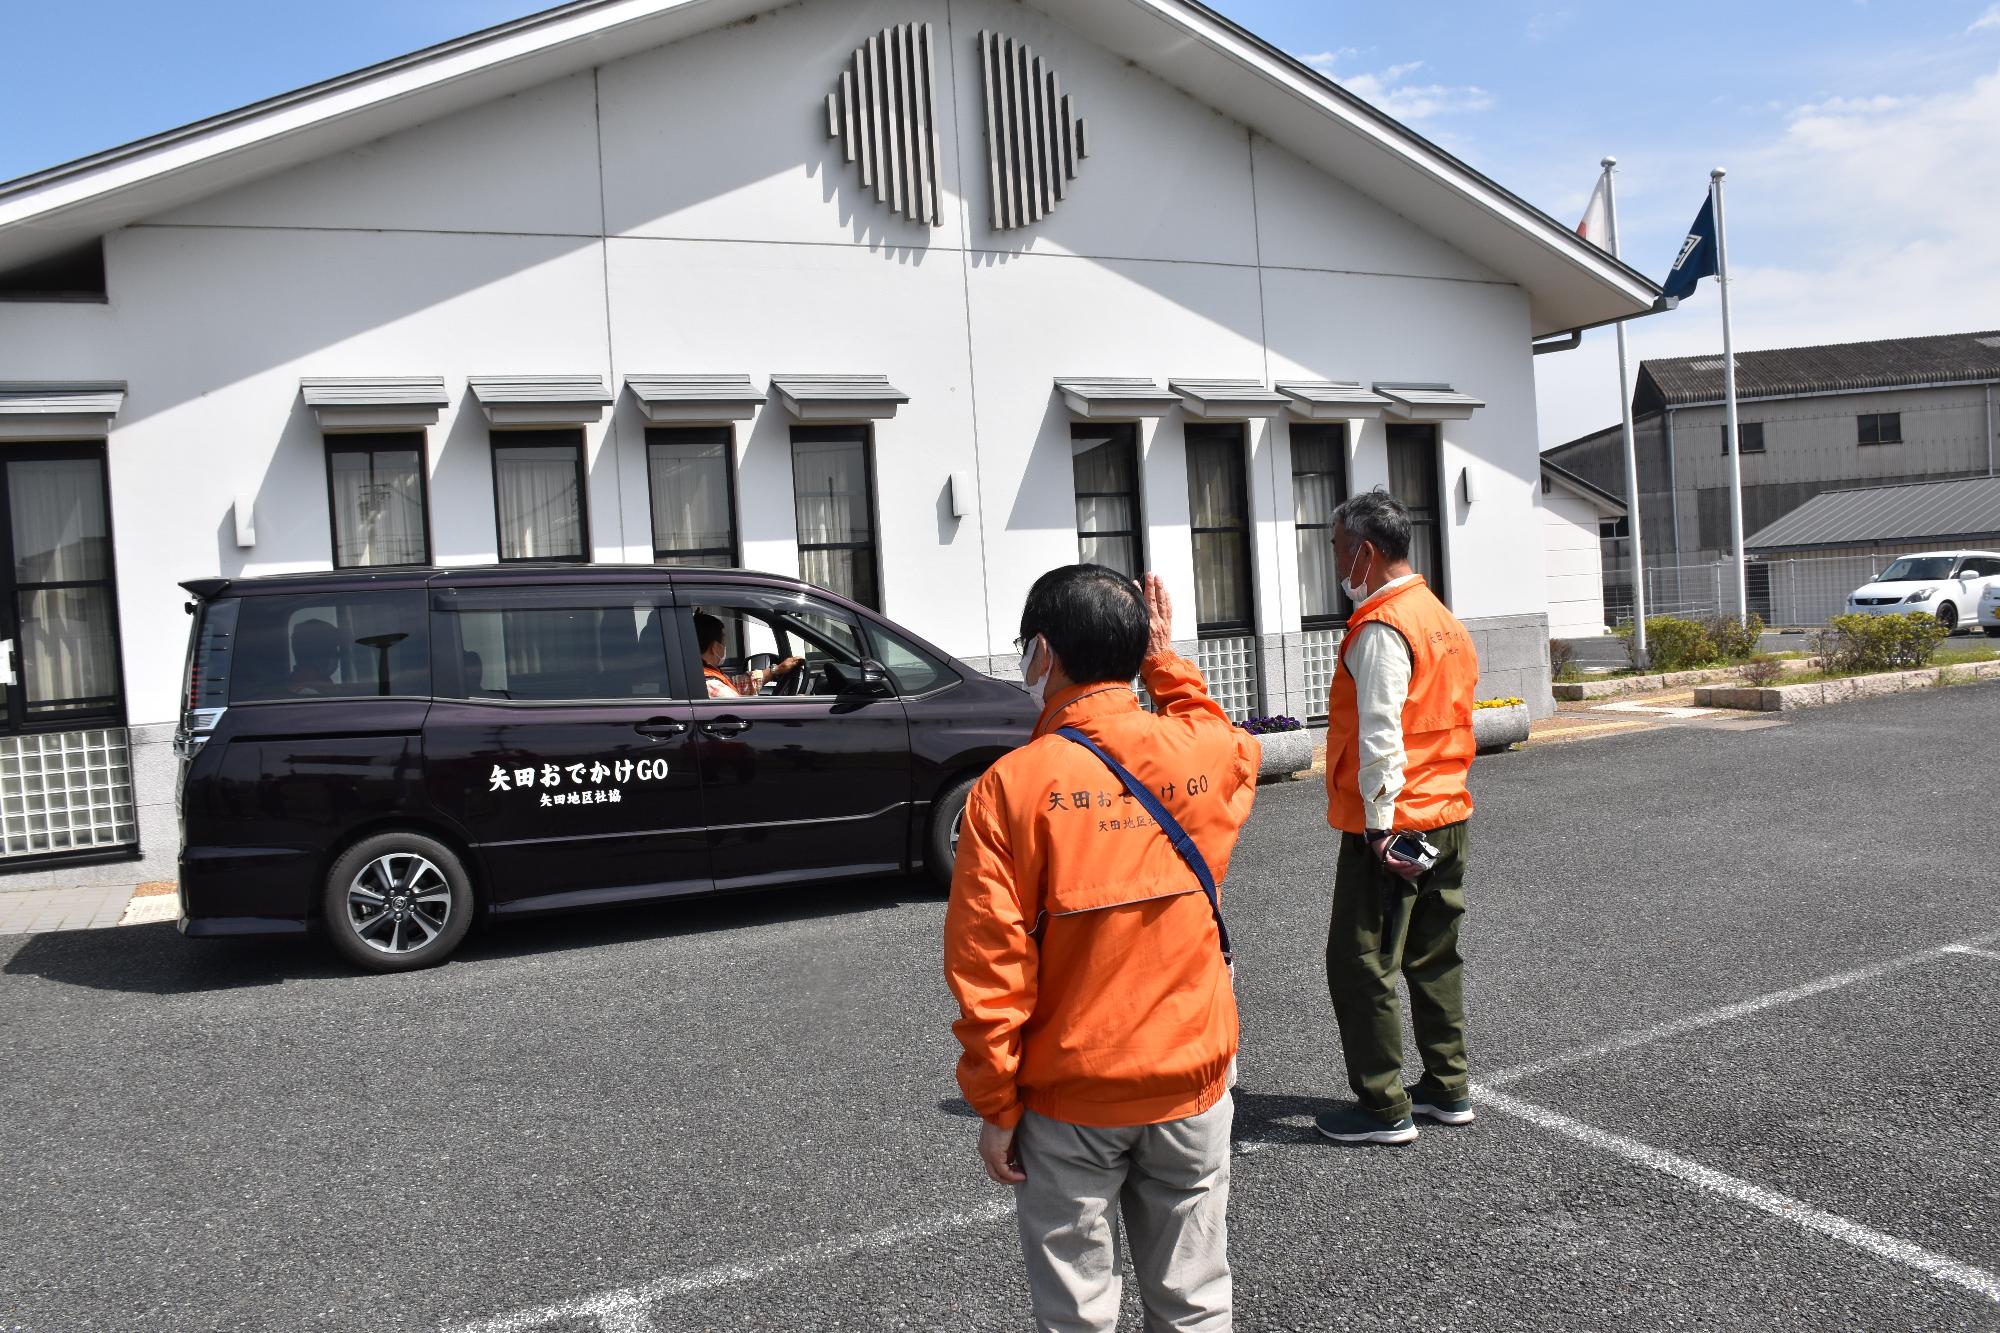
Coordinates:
1881 515
586 389
1426 395
838 388
390 391
1332 393
694 388
1109 387
1829 368
77 398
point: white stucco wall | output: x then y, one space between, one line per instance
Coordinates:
684 211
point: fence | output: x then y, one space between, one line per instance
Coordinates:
1784 590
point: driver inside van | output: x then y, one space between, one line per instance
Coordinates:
709 633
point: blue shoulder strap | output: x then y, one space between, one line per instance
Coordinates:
1170 826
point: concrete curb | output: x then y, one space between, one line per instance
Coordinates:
1574 691
1817 693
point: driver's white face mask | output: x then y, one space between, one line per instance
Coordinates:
1037 689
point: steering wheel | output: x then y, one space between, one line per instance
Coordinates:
793 682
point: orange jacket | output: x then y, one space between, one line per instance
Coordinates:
1437 720
1083 953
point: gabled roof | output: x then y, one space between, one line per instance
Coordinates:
1608 503
1929 511
1685 381
1569 282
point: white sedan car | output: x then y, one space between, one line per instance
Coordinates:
1955 586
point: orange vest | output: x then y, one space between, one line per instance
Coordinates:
1437 720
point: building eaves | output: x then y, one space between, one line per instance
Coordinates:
1967 509
1604 499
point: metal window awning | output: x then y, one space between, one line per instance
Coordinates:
1427 402
356 403
838 397
695 399
1228 400
1332 400
540 400
1115 399
58 410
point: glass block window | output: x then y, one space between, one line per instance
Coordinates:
1105 463
694 496
1322 652
1229 665
66 791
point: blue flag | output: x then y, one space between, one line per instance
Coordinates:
1697 257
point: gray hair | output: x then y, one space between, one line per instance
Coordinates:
1378 518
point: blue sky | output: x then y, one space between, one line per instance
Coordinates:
1860 137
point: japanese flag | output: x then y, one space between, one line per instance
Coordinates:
1596 224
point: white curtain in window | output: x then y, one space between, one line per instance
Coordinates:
691 497
378 507
1216 500
1413 479
541 513
67 647
1316 465
831 478
57 506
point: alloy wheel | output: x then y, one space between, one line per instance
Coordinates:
398 903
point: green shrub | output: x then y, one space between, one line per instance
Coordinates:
1734 641
1853 643
1676 645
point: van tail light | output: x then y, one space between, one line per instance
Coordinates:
207 696
193 733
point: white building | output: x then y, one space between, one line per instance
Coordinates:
1575 516
916 297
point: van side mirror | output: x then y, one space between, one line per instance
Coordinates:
865 678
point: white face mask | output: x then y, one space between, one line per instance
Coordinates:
1038 690
1357 592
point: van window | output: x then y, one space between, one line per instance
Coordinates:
339 645
525 651
914 670
756 624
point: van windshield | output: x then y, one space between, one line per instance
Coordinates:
1912 568
331 645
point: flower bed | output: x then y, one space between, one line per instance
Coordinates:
1498 724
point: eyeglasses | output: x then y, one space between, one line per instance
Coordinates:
1021 644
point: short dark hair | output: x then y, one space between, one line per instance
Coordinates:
1378 518
707 630
1094 620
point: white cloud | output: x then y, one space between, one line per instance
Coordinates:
1389 90
1990 19
1862 218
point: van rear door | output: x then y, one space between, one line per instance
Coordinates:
557 742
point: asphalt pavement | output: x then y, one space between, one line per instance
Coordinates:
740 1114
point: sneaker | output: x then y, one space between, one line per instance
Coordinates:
1445 1112
1351 1124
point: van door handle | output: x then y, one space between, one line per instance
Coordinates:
726 726
660 726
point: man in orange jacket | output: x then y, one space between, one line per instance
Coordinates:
1398 744
1097 1019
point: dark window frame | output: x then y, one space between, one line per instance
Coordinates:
371 443
1439 506
865 436
15 719
1308 430
1745 432
726 437
1125 434
543 438
1868 428
1233 433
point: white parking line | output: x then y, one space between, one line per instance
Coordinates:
1976 953
1742 1008
1878 1243
628 1309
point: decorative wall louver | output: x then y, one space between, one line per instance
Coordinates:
1033 141
885 115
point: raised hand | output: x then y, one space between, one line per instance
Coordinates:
1160 609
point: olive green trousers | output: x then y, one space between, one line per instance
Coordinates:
1383 926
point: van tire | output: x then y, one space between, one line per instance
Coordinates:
437 883
946 811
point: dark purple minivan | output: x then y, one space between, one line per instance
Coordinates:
382 756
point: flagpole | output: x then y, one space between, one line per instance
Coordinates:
1631 445
1734 439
